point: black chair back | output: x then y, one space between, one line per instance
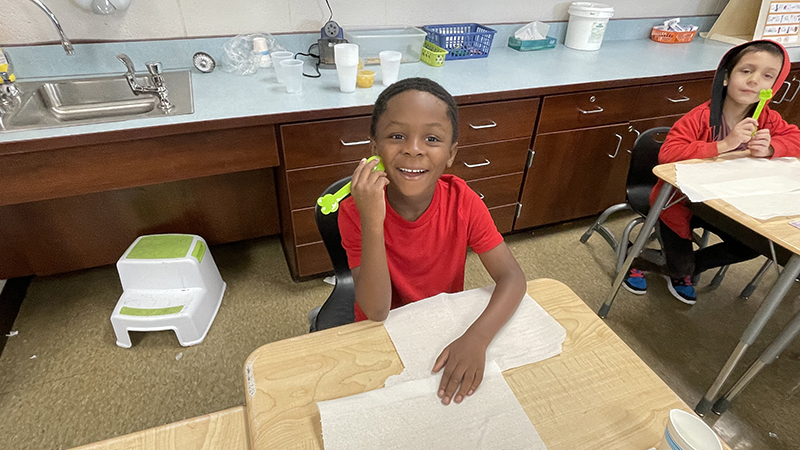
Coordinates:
644 157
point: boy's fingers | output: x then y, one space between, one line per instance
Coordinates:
466 384
440 361
477 381
454 379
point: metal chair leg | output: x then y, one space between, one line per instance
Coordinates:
598 225
719 277
622 250
753 284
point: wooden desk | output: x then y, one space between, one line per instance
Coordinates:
222 430
776 230
596 394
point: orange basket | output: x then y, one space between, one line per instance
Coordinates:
671 37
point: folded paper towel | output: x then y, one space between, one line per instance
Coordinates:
532 31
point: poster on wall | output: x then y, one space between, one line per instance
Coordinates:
779 20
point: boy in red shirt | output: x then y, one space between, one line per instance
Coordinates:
721 125
406 230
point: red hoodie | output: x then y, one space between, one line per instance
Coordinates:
694 136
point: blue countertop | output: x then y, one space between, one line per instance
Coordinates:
220 95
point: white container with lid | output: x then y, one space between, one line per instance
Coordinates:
587 25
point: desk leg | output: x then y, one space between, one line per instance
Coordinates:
644 235
791 271
765 311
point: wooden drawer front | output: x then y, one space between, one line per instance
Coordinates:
497 121
498 191
305 226
504 217
672 98
325 142
490 160
588 109
306 185
313 259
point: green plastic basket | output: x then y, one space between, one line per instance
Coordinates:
432 54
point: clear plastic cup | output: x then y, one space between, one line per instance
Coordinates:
366 78
277 57
390 66
346 58
292 72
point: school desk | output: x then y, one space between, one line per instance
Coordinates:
596 394
777 230
222 430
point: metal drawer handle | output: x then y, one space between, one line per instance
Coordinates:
682 99
350 144
795 91
480 127
632 129
788 86
479 194
618 144
471 166
598 110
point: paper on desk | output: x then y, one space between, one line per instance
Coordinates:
765 207
410 415
421 330
738 177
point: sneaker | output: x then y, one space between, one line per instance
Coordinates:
682 289
635 282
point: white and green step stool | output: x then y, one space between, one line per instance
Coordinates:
169 282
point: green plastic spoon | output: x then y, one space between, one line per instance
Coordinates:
763 98
329 203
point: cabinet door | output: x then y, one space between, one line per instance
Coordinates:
571 173
786 101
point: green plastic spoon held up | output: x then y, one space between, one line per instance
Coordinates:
763 98
329 203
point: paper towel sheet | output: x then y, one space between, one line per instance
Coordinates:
738 178
421 330
765 207
410 416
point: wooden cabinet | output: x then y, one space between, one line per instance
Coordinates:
786 101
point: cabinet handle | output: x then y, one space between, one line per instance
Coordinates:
479 193
350 144
598 110
618 144
631 128
480 127
788 86
486 163
682 99
795 91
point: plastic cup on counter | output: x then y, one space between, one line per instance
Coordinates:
365 78
390 66
346 58
292 72
277 57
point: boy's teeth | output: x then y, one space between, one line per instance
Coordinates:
412 170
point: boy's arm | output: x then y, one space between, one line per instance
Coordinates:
464 359
688 139
785 137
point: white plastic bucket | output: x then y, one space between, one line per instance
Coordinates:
587 25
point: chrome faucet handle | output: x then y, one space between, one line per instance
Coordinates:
128 63
154 67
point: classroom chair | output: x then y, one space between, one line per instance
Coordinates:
338 308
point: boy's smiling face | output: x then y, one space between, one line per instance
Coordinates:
414 138
755 71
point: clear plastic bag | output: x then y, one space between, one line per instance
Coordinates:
239 55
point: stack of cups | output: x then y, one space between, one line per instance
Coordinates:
346 58
685 431
277 57
390 66
292 73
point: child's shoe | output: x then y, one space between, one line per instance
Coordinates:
635 282
682 289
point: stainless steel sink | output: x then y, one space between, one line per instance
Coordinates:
47 103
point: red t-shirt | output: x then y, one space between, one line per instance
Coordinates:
426 257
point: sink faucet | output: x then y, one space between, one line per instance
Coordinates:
9 93
158 87
64 40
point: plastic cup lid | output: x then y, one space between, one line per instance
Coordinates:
588 7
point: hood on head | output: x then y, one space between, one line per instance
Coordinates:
719 90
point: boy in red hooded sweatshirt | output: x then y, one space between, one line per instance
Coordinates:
723 124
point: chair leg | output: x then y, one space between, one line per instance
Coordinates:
622 249
598 225
751 286
719 277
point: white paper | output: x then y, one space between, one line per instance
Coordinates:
532 31
765 207
410 416
421 330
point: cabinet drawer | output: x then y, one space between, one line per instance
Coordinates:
504 217
305 226
325 142
497 121
498 191
587 109
306 185
313 259
672 98
490 160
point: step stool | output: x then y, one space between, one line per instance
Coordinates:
169 282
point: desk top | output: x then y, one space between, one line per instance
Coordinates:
776 229
596 394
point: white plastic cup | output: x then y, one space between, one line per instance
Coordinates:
587 25
292 70
685 431
346 58
277 57
390 66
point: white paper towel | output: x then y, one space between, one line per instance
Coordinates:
421 330
410 416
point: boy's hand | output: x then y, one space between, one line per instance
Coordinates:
759 144
367 188
739 134
463 361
